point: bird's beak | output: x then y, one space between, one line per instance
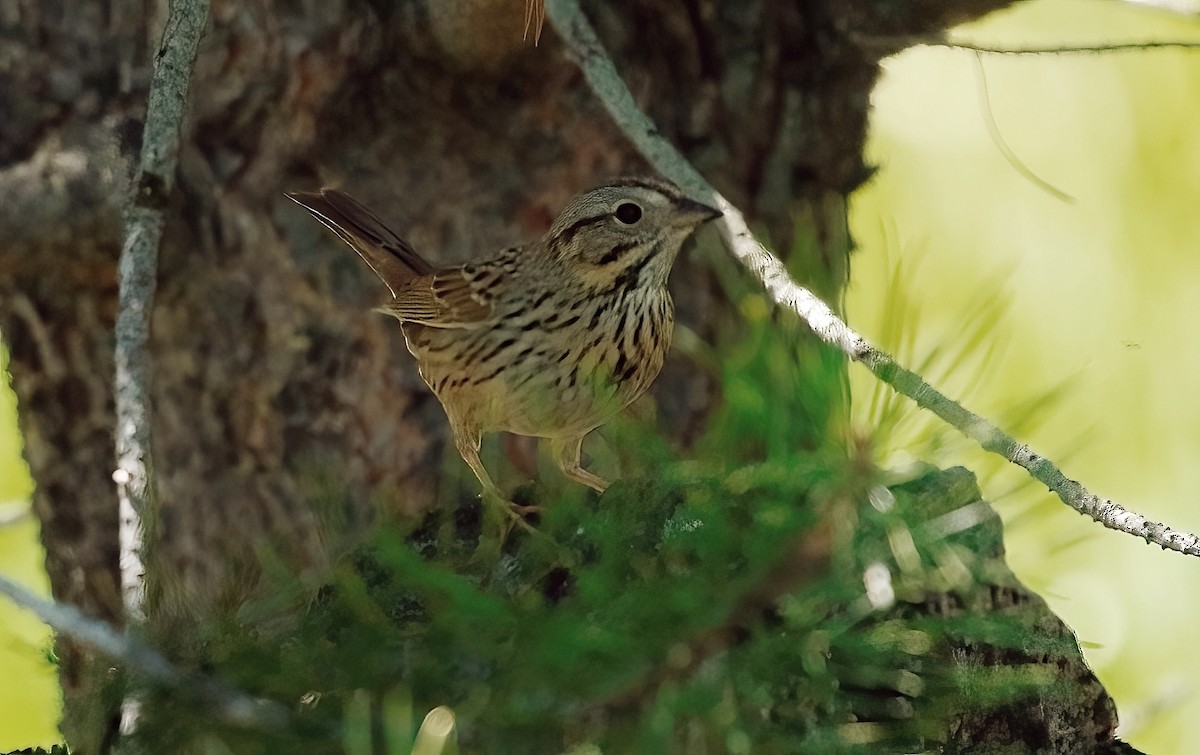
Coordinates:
692 214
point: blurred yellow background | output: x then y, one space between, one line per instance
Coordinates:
1102 294
29 699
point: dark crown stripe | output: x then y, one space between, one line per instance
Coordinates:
662 187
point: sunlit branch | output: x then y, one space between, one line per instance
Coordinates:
1067 49
587 51
891 44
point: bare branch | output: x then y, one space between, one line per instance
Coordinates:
587 51
891 44
137 271
229 705
1072 49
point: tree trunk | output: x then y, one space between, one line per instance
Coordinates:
281 404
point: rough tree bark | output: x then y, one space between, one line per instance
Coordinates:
272 386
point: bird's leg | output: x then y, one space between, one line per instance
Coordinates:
566 456
467 442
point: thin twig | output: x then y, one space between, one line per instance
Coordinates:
1066 49
993 128
228 705
535 17
587 51
889 44
137 270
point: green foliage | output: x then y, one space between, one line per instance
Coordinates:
717 606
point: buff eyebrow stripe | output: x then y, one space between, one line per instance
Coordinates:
614 254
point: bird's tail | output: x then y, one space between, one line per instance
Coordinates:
393 260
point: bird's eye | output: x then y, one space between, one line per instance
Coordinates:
628 213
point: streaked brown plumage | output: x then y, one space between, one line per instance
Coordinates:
550 339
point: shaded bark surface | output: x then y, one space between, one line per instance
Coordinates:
281 406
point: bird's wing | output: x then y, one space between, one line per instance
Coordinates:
461 297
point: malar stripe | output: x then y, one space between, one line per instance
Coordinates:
661 187
629 276
614 254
